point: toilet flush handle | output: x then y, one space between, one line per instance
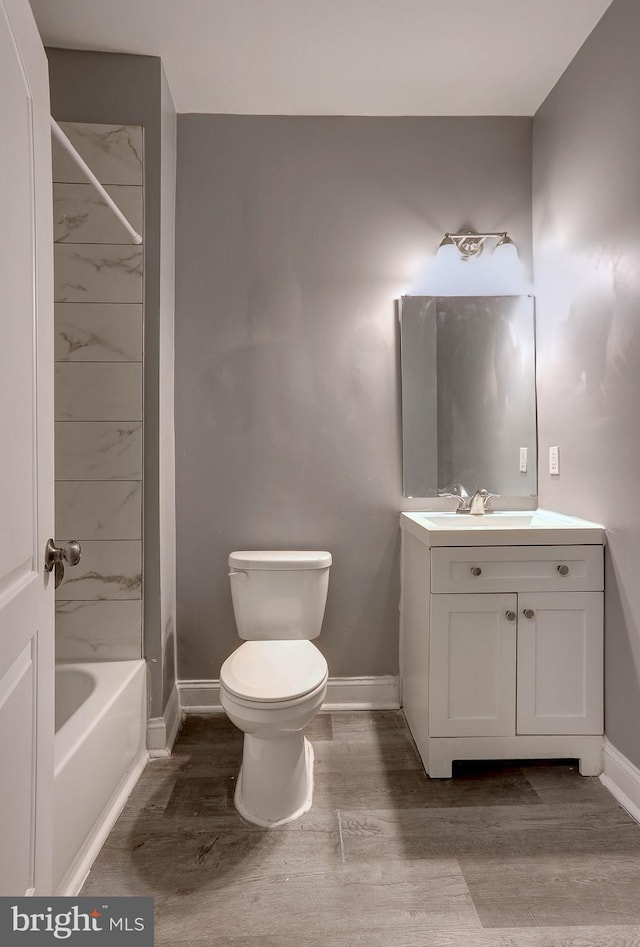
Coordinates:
239 575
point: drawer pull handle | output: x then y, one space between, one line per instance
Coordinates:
511 616
563 570
528 613
476 570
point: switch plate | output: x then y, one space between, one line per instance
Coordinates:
523 459
554 461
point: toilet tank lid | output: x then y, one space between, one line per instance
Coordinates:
279 559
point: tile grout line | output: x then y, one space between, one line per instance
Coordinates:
342 852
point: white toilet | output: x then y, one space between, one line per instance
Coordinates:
272 686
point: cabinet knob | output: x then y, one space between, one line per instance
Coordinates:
563 570
511 616
528 613
476 570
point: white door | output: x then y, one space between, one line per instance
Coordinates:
26 457
560 662
472 670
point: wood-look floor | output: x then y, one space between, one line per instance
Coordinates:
499 856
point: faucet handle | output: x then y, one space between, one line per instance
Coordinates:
486 500
462 501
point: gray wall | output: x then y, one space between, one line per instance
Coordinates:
294 237
114 88
587 267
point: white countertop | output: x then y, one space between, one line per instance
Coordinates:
503 528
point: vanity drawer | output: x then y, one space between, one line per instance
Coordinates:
517 569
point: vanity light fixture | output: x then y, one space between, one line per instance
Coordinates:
470 244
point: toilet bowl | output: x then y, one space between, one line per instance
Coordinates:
275 783
272 686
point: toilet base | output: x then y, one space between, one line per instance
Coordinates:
275 782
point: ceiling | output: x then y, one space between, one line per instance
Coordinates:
338 57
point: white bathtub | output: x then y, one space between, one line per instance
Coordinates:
99 754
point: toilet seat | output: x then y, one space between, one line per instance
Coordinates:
269 672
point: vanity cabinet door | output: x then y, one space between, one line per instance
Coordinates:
472 680
560 663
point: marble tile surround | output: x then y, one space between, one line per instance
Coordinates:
98 391
99 509
98 631
80 215
98 394
97 273
98 332
113 152
99 450
108 571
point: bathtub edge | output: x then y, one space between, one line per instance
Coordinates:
77 874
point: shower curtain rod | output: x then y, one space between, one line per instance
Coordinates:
60 136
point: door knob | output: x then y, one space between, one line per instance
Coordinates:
56 556
511 616
528 613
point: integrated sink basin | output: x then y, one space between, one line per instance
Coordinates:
504 528
488 521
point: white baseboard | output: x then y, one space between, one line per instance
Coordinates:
162 731
200 697
362 693
76 876
343 693
622 778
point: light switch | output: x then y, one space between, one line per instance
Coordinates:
554 461
523 459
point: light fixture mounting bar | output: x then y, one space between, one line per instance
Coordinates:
469 243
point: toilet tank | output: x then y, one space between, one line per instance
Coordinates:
279 595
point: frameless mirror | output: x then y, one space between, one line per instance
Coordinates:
468 394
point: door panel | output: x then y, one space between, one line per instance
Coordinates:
473 665
17 745
26 458
560 663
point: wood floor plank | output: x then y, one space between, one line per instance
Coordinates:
555 890
619 936
202 796
209 729
535 831
565 784
369 724
355 757
320 728
180 857
501 856
376 900
151 795
379 788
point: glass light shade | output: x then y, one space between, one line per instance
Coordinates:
447 251
506 251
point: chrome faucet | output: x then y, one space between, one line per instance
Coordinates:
480 503
460 495
477 505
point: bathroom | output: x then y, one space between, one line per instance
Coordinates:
294 237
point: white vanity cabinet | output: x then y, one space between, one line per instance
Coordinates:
502 646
